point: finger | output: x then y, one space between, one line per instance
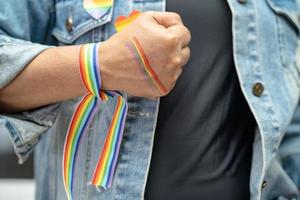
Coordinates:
183 33
185 53
165 19
178 73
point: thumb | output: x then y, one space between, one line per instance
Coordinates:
165 19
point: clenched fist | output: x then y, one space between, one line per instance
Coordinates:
164 41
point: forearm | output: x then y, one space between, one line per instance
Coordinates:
54 75
51 77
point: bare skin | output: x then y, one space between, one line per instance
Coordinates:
53 76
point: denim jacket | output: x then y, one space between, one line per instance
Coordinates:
265 41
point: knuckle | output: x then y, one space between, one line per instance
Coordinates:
176 61
174 78
186 30
146 16
185 33
188 50
189 35
176 16
177 75
172 40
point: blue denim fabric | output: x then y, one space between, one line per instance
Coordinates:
289 151
265 40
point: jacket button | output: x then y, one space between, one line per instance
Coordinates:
258 89
69 24
242 1
264 185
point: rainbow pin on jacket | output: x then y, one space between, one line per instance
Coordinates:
97 8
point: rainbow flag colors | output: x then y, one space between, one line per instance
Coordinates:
89 68
97 8
79 123
84 112
122 21
138 52
103 174
142 59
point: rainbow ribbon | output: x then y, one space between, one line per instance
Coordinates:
84 112
97 8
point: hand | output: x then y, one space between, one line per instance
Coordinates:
164 40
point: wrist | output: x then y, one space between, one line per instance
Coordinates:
108 75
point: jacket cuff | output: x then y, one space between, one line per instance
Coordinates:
25 129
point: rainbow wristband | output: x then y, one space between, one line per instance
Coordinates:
89 68
84 112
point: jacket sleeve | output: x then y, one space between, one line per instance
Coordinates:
25 28
289 151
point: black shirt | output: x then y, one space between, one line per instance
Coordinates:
204 135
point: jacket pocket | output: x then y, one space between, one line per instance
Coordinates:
286 15
289 9
72 21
